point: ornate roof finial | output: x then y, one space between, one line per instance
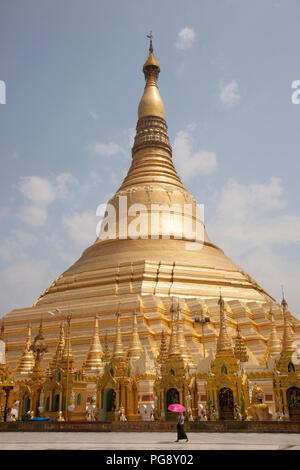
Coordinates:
240 349
106 351
118 351
287 338
135 348
274 345
93 361
173 345
283 302
163 351
67 356
150 36
182 346
39 346
224 343
57 356
151 103
26 362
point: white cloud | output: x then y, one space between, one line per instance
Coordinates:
248 216
15 245
93 114
106 150
42 192
255 229
185 38
33 215
229 94
23 281
81 227
62 248
39 190
191 163
15 155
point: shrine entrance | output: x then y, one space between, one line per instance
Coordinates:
55 405
172 396
109 405
293 401
26 407
226 404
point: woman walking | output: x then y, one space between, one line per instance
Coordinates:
180 429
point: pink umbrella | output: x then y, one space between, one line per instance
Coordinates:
176 407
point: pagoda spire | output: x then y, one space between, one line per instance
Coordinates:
287 338
61 343
151 153
173 345
118 351
135 348
39 346
224 343
163 351
287 349
240 349
67 356
93 361
182 346
151 103
106 351
274 344
26 362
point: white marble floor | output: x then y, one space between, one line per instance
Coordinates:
146 441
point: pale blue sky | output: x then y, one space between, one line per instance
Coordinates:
73 74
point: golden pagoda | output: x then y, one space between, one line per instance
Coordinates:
287 374
142 256
227 385
26 363
93 363
117 391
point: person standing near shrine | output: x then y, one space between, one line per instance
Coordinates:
180 428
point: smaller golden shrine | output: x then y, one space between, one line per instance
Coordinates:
65 386
117 391
287 374
6 381
174 382
227 385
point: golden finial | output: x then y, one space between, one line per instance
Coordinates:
118 351
224 343
39 346
135 348
283 302
57 356
182 346
150 36
151 103
240 349
287 338
93 361
106 352
26 362
173 345
67 357
273 346
163 351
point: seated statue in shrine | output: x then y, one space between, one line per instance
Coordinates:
258 410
